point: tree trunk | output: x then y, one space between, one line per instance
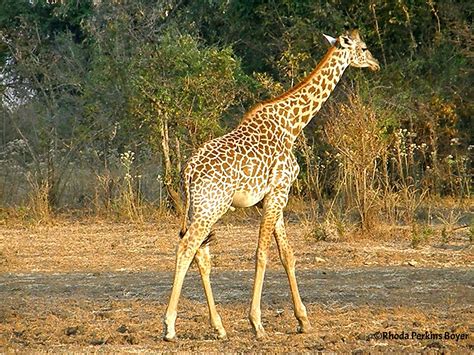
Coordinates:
178 153
175 198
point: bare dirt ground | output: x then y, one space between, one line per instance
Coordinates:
88 286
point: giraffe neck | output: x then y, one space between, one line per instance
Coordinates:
300 104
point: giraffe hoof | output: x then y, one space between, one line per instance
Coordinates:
260 334
221 333
222 337
169 338
305 328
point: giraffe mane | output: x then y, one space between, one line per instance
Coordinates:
295 88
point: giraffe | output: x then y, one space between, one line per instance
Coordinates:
254 162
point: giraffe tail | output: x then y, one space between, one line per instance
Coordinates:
187 200
184 221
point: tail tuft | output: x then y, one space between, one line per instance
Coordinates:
211 237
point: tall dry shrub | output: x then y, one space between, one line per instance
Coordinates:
129 204
39 207
105 184
355 133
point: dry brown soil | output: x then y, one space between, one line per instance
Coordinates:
89 285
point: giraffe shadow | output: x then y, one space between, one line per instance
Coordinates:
390 286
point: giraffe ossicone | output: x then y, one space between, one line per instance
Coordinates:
255 162
331 40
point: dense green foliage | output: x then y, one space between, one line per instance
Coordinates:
84 82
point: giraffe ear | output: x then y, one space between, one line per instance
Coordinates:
331 40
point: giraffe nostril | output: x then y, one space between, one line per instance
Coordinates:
375 66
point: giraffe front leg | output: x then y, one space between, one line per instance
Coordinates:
203 260
288 260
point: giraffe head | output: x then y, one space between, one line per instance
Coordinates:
359 55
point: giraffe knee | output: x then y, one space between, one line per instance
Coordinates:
203 260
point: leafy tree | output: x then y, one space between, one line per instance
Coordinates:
160 78
183 90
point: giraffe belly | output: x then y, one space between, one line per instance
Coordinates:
245 199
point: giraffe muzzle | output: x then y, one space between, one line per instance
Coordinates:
374 64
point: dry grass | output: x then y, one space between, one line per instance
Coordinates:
95 245
65 324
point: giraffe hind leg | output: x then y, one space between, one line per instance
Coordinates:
203 261
196 237
187 248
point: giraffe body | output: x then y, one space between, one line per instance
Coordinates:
255 162
247 171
